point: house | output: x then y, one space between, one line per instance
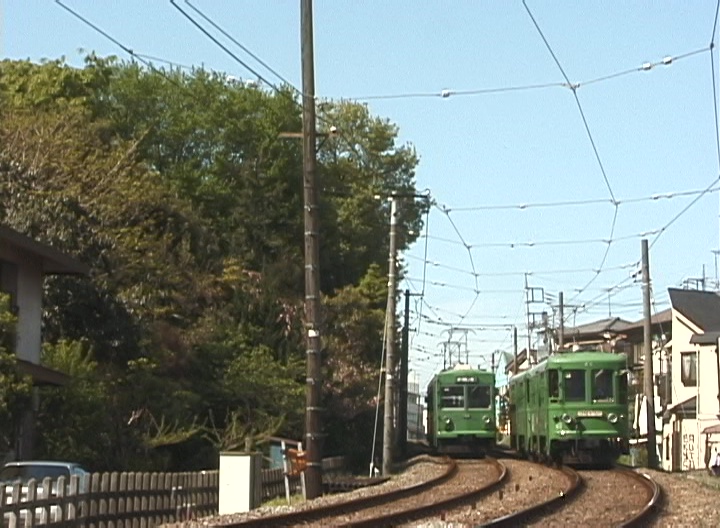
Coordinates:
24 263
603 334
522 362
691 423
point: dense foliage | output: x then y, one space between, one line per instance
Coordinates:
179 192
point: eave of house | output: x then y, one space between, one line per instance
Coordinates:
54 262
42 375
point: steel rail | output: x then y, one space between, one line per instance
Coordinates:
418 512
339 508
574 481
653 504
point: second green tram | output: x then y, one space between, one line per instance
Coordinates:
572 407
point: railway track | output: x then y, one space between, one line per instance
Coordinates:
616 497
460 481
531 495
490 493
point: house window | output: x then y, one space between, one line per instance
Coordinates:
688 369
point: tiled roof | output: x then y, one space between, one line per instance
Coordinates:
701 307
611 324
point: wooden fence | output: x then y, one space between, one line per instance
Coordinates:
128 500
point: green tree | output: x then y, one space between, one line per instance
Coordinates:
179 193
353 348
14 388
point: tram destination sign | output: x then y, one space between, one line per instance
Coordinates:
466 379
590 414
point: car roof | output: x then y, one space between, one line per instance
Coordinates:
53 463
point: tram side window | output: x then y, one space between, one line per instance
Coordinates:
479 397
453 397
622 386
553 384
602 388
574 385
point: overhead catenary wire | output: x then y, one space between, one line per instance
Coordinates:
590 137
222 46
240 45
573 203
534 243
519 273
447 93
474 272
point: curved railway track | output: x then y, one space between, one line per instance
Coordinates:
541 509
616 497
652 504
447 490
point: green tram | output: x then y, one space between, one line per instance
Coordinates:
572 407
461 411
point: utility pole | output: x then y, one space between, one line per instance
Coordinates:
561 329
403 403
313 447
515 345
648 364
529 324
389 424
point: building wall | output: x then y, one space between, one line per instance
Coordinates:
415 423
687 449
683 330
684 445
23 280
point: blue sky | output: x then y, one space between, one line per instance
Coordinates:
654 131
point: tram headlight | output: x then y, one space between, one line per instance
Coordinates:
487 420
567 418
449 425
612 418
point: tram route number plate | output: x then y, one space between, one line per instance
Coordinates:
590 414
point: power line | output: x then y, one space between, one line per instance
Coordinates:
536 243
444 94
165 61
238 44
223 47
577 101
570 203
520 273
684 210
447 93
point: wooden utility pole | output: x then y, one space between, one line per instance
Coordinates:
648 364
389 421
313 446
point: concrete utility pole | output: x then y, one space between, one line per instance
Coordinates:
648 364
402 420
313 446
515 350
561 329
389 423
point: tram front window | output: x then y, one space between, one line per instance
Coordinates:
602 389
453 397
479 397
574 385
